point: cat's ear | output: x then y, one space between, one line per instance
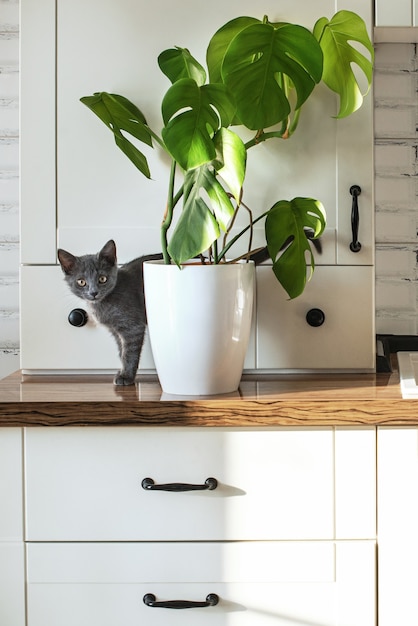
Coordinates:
108 252
67 260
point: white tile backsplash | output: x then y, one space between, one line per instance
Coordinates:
396 192
395 121
391 156
397 225
396 56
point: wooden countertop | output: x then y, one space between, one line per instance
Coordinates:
283 400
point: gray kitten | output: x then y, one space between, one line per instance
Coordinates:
115 297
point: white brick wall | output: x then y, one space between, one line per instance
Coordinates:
396 160
396 164
9 189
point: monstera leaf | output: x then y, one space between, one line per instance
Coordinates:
207 206
340 55
287 241
192 114
178 63
231 160
255 59
119 114
219 44
200 225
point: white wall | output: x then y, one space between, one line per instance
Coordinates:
396 83
9 190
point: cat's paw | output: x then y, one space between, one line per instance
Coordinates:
123 379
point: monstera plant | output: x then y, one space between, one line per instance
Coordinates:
259 76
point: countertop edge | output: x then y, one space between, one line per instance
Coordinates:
252 413
308 401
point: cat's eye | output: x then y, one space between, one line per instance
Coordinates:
81 282
102 279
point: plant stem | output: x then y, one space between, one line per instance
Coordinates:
259 138
215 252
234 239
157 138
293 126
168 215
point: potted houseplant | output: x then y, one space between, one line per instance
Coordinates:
259 75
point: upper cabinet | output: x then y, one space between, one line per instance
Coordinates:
78 190
400 13
396 21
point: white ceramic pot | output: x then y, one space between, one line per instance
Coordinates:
199 321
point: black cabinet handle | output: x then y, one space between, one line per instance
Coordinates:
315 317
78 317
150 600
209 484
355 245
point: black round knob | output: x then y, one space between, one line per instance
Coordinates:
315 317
78 317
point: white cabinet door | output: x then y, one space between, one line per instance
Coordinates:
12 583
85 484
288 339
12 564
400 13
50 342
257 583
398 524
99 193
11 485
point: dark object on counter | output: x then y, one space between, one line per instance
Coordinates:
390 344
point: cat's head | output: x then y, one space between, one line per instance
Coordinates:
91 276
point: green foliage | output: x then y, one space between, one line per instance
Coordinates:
118 113
288 246
334 37
192 115
178 63
253 60
261 74
199 224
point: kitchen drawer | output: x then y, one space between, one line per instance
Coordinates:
261 583
85 484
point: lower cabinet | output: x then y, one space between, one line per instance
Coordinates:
12 584
398 526
12 560
241 583
284 536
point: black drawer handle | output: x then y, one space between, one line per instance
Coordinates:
149 599
355 245
209 484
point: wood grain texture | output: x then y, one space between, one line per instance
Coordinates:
287 400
